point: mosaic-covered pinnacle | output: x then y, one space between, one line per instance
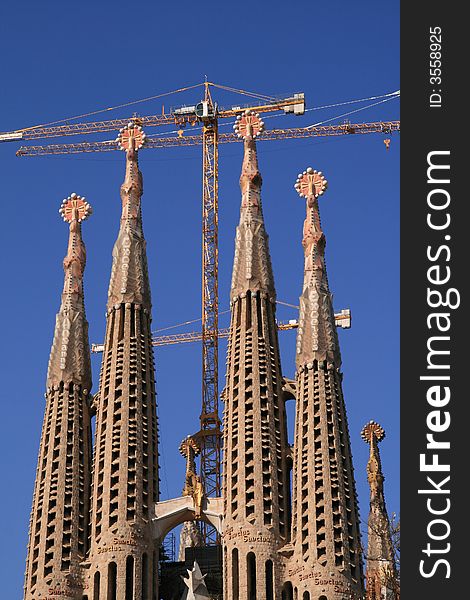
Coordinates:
317 338
129 281
252 270
70 357
381 573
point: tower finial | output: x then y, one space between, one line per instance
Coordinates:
317 337
63 483
381 572
311 183
131 138
129 276
249 125
252 269
69 359
372 431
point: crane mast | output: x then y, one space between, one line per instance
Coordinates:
210 434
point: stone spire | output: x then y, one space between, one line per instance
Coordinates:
129 274
58 536
255 475
123 555
70 357
252 263
326 558
381 573
317 338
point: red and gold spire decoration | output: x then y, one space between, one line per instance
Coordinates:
129 276
70 357
59 526
381 573
317 337
252 268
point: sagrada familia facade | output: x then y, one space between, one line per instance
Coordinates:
288 516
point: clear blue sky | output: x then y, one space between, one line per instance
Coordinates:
64 59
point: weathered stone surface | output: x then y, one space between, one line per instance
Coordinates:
59 524
381 575
324 554
123 554
255 474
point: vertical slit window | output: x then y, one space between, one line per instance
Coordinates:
251 575
287 591
269 580
130 578
145 576
96 586
112 581
235 575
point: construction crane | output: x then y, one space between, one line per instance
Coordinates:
208 114
342 319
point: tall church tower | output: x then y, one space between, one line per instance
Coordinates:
255 483
123 555
326 561
58 535
381 575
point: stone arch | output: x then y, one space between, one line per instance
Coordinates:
171 513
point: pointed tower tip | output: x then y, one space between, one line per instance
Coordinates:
70 358
129 281
317 338
252 270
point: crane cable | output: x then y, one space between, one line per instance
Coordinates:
224 312
389 96
184 89
102 110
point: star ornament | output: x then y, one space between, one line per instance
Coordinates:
310 183
195 583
